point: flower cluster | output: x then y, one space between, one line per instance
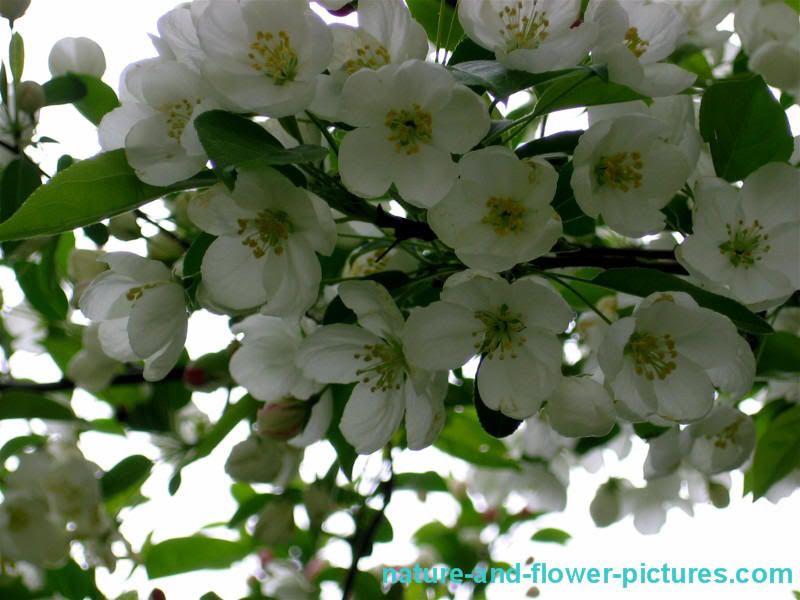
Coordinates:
391 233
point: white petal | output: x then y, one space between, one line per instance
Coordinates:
517 386
439 336
156 318
374 307
581 408
232 275
366 157
137 268
424 178
329 354
318 422
425 412
371 418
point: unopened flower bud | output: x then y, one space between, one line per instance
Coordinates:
210 371
718 494
606 507
124 227
30 97
275 524
80 55
284 419
13 9
164 247
318 501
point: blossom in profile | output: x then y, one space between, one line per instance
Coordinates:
529 35
141 312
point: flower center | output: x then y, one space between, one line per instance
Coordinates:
386 365
409 128
19 518
653 355
178 115
523 27
745 245
620 171
727 435
269 229
368 57
274 56
505 215
137 292
634 43
501 332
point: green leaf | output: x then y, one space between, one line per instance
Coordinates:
468 50
72 582
639 281
574 221
231 139
581 88
745 126
451 549
98 101
586 444
20 404
494 422
429 481
19 444
16 56
444 29
245 408
345 453
181 555
40 282
777 452
795 4
90 96
194 256
86 192
20 178
498 79
129 472
563 142
780 353
464 438
550 534
63 90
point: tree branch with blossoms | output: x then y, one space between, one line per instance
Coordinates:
398 257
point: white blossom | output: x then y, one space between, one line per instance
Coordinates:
141 312
372 355
155 124
664 362
746 241
498 214
386 34
409 119
633 37
626 170
529 35
512 326
263 57
269 232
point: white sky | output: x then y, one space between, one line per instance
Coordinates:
745 534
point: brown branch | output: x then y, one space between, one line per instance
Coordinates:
130 378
